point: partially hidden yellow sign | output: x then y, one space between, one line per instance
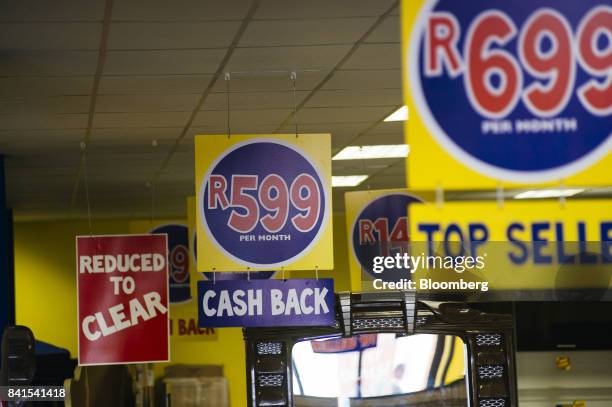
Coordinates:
264 202
377 223
521 245
183 278
491 101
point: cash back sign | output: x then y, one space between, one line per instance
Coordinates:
266 303
511 91
122 285
264 202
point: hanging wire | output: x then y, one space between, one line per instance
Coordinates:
152 186
439 196
86 184
227 78
499 194
364 166
562 198
295 117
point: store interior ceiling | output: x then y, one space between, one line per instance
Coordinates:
133 81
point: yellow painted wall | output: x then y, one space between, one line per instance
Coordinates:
45 277
45 293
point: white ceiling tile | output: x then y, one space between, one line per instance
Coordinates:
170 35
380 138
366 79
383 180
48 63
339 98
153 154
42 121
360 166
305 32
142 136
101 159
50 36
387 31
163 62
153 119
179 10
63 171
253 100
287 58
242 120
146 103
153 84
28 142
45 104
341 114
341 132
56 10
32 167
41 86
375 56
321 8
388 128
261 80
397 168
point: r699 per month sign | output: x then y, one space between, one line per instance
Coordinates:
520 91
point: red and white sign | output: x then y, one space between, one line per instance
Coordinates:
122 285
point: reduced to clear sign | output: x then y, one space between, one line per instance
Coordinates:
266 303
122 288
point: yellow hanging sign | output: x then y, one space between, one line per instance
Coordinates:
264 202
490 104
183 278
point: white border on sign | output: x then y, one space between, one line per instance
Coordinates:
325 195
448 144
364 206
76 243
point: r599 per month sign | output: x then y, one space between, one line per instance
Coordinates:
264 202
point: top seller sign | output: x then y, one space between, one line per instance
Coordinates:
122 299
515 91
264 202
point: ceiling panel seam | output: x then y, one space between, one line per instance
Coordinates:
218 73
339 65
108 11
371 127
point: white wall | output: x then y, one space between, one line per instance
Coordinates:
541 384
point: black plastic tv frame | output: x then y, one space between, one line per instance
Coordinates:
488 338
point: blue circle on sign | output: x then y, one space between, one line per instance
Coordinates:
178 261
384 216
520 143
256 246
